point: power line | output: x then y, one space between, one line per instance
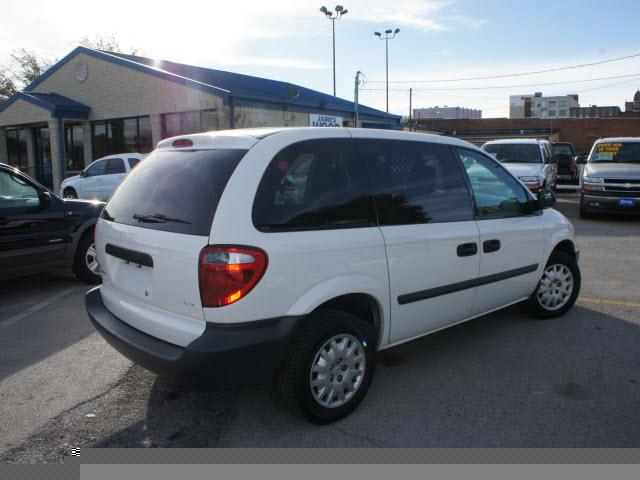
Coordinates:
494 87
522 74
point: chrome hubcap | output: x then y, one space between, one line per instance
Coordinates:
556 287
337 370
91 259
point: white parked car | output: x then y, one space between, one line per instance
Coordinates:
296 254
100 179
530 160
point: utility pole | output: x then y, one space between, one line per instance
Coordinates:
340 11
355 98
388 35
410 108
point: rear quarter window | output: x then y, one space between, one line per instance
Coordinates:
174 191
311 185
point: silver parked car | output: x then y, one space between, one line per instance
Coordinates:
610 180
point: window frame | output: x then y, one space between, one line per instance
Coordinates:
114 159
411 143
368 192
29 182
182 114
110 143
476 215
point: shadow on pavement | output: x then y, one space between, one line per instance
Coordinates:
503 380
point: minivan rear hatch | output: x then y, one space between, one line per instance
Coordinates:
151 233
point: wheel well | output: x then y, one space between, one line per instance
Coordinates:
566 246
362 305
68 188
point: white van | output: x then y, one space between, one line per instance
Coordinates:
295 254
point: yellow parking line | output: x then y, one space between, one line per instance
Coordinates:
601 301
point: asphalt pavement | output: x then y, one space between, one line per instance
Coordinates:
503 380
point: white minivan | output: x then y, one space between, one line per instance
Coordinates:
296 254
100 179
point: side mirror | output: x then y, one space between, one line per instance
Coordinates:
83 173
580 159
45 199
546 199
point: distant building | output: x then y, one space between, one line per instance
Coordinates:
633 106
595 111
537 106
446 112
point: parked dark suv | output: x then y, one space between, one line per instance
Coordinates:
567 168
40 231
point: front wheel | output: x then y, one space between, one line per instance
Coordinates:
558 288
330 366
86 265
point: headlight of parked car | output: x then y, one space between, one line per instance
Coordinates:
530 179
592 183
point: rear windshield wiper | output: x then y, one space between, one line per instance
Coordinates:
157 218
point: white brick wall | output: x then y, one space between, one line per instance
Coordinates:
114 91
22 112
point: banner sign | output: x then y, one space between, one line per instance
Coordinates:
321 120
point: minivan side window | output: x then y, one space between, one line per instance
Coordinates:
16 193
115 165
416 182
315 184
497 194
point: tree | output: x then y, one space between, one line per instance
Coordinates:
108 43
29 65
7 85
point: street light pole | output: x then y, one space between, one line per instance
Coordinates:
339 12
388 35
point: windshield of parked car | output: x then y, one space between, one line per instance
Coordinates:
616 152
514 152
562 149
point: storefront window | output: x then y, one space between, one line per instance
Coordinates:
124 135
182 123
74 147
17 148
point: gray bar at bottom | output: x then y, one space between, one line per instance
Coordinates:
358 471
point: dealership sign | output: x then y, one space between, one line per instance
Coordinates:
320 120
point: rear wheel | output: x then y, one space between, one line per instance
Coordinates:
70 193
86 265
558 288
330 366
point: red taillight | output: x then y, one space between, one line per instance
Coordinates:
182 142
228 273
572 166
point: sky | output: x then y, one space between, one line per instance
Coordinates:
438 40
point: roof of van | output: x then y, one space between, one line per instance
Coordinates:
247 137
515 140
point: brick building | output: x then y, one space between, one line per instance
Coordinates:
581 132
94 103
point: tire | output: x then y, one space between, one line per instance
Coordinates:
294 383
558 268
585 214
70 193
81 266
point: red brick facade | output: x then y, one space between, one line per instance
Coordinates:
581 132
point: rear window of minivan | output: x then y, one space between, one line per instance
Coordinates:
174 191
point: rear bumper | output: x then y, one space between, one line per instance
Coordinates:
225 356
600 203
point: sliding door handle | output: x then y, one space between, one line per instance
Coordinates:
467 249
489 246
